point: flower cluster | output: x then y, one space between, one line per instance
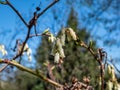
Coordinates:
58 51
59 42
112 82
2 50
71 34
50 36
26 49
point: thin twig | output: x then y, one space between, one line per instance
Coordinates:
14 9
116 68
39 14
1 69
99 60
24 43
34 35
82 44
28 26
31 24
101 68
38 74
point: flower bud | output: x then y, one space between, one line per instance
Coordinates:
46 32
2 49
109 69
109 85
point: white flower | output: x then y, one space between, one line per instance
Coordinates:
72 33
109 85
26 51
58 43
4 52
20 46
59 47
56 57
2 46
53 49
2 49
109 69
29 51
51 38
26 47
62 37
111 72
61 51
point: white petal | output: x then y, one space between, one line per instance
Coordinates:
2 46
62 53
29 51
26 47
4 52
56 58
58 43
62 39
72 33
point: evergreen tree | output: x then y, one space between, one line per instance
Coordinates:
78 61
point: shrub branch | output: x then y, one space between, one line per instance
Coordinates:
38 74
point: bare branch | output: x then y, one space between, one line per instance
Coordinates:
38 74
26 39
39 14
55 1
99 57
35 35
31 24
14 9
28 26
1 69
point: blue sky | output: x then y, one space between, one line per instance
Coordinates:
11 28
